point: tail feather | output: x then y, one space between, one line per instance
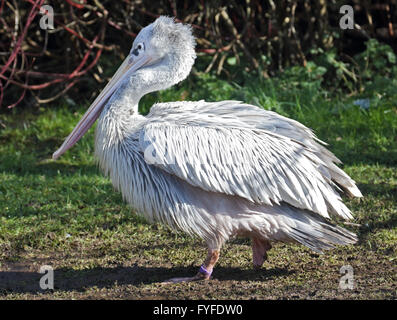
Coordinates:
323 238
316 232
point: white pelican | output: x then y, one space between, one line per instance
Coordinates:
215 170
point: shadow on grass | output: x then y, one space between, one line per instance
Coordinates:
374 220
378 189
363 156
51 168
81 280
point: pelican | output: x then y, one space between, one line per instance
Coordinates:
215 170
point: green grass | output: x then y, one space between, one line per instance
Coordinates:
67 215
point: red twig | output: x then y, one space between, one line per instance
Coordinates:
78 5
17 48
33 12
20 98
72 77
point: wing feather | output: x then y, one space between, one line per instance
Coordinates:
242 150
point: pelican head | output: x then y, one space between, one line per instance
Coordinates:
164 39
161 55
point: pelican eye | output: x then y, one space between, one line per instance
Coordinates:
139 47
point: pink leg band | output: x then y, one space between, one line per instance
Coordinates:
204 271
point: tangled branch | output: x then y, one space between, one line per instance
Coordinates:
38 66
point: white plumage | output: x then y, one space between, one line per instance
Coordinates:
213 169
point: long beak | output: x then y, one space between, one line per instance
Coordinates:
93 112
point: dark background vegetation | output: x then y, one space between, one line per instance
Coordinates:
236 40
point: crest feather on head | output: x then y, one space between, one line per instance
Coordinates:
176 34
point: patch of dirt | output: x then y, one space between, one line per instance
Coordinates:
303 276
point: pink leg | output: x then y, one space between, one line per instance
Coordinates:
259 248
205 270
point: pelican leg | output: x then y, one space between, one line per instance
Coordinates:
259 248
205 270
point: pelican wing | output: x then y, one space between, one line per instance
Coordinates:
243 151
